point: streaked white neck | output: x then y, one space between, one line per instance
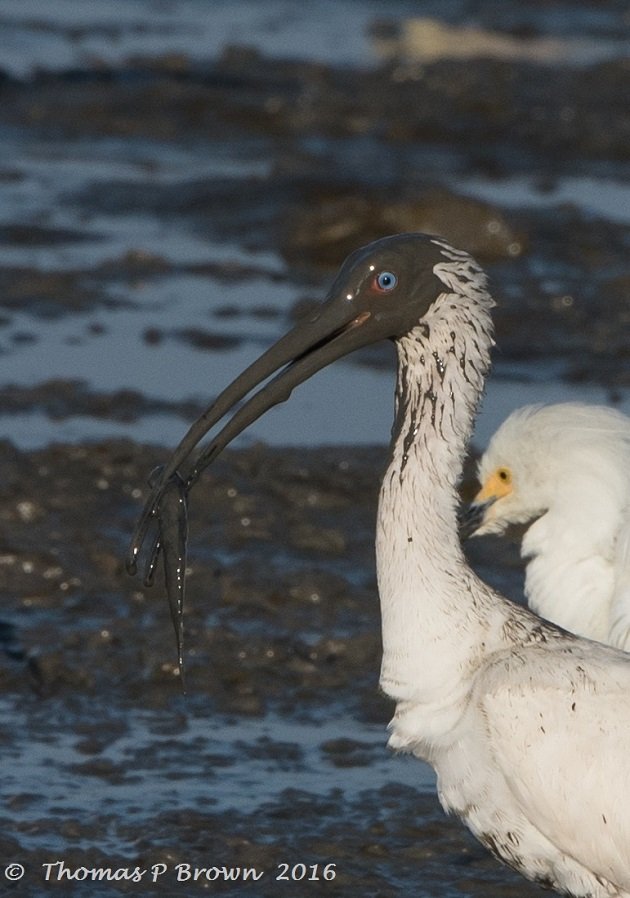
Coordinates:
434 609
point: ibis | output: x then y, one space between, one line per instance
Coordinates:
526 725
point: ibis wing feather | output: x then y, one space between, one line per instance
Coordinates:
559 725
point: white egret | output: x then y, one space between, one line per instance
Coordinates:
564 470
527 726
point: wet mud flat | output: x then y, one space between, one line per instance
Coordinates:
132 185
108 765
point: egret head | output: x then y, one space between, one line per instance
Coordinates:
513 475
543 457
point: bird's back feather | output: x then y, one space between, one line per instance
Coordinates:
559 725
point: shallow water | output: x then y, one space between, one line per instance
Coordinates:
67 34
243 763
169 199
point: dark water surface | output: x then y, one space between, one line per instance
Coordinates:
178 183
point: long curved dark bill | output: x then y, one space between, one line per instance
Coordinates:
299 354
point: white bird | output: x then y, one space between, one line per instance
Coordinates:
527 726
564 470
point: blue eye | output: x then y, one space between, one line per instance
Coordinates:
385 281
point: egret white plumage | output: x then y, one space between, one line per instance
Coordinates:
564 470
527 726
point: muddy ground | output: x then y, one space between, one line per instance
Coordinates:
282 620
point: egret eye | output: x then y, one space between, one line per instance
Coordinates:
505 475
385 281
